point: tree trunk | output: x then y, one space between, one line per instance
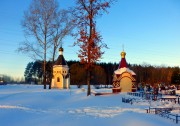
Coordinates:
51 74
89 53
44 75
45 60
88 82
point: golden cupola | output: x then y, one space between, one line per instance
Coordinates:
123 54
123 62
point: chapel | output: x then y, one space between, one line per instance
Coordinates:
123 78
61 75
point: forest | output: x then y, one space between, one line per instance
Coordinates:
102 73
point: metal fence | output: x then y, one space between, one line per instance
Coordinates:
163 112
166 113
151 96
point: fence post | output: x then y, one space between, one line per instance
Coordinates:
146 110
176 118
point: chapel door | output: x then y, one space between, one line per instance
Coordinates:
126 84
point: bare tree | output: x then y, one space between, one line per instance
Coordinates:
44 26
63 27
90 41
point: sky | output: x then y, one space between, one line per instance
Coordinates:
149 31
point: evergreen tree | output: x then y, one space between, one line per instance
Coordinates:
175 79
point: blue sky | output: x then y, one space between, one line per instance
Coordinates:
148 29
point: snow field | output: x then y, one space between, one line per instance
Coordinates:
31 105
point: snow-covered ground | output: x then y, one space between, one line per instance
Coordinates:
28 105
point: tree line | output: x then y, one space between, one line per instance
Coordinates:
102 73
7 79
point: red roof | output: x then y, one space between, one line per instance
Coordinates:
122 63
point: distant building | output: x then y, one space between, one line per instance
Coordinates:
123 78
61 76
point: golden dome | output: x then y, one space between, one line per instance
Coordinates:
123 54
61 49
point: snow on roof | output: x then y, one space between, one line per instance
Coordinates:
124 69
123 65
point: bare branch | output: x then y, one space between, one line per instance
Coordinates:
41 23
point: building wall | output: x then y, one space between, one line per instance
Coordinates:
59 80
125 82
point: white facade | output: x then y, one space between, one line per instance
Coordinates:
61 76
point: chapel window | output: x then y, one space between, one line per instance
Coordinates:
58 79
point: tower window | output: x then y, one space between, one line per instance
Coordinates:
58 79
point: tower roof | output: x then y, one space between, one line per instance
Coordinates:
123 67
60 60
123 62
